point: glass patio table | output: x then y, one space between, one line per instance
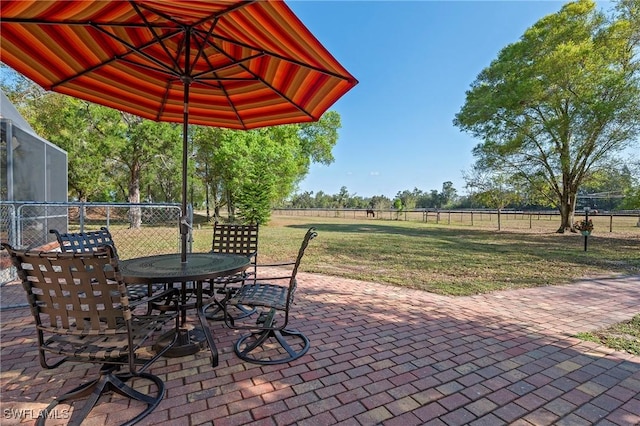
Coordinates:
168 269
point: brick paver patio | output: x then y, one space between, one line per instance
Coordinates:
379 355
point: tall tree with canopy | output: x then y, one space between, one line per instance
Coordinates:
560 102
265 163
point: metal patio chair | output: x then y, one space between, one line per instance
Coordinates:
82 314
270 341
234 239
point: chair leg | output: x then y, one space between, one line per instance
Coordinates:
250 342
108 381
209 336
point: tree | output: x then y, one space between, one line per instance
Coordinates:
492 190
559 103
399 207
228 160
302 201
380 202
604 189
254 202
631 198
448 194
342 198
408 198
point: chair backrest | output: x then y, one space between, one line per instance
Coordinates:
235 239
310 235
81 293
89 241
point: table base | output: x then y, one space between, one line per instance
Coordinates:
189 342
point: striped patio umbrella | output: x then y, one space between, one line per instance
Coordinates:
226 63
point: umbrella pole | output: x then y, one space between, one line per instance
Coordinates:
184 220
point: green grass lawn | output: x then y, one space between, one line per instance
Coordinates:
449 260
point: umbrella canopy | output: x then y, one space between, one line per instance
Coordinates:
225 63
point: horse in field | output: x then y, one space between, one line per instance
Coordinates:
371 212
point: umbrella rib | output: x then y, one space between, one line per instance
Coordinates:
27 21
284 58
288 99
257 78
233 106
150 68
282 95
220 85
163 104
155 35
120 58
204 42
232 64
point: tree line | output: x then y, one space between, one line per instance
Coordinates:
414 199
612 189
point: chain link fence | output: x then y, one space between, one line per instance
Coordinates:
137 229
7 233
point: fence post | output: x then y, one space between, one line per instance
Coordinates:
530 222
610 223
17 226
471 217
81 214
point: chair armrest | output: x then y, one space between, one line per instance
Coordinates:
267 265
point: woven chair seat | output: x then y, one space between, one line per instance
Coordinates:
261 294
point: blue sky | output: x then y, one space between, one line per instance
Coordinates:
414 61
